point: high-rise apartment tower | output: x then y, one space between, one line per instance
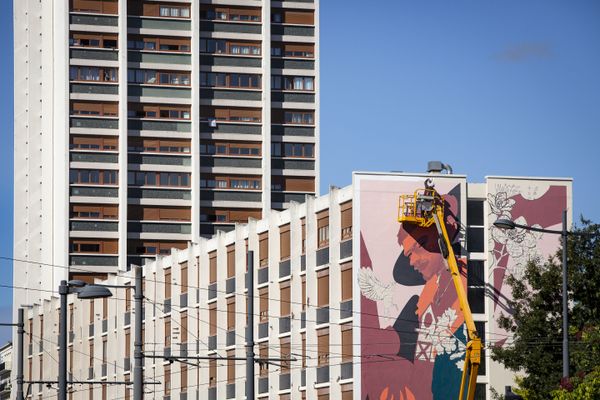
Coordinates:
143 125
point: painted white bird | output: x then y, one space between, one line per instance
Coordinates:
373 289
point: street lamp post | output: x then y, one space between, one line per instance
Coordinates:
508 224
84 291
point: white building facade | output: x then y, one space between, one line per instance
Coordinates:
313 302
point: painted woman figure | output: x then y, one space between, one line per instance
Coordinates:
412 328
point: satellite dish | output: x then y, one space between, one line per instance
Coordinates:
212 122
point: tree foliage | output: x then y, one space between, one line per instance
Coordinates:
536 320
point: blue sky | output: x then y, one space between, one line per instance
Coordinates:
492 88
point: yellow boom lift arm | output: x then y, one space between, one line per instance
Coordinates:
425 207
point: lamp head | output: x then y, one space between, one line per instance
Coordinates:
76 283
504 223
93 292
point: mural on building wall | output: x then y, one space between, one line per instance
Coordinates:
412 332
532 203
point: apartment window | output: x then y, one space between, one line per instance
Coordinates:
304 292
263 249
153 248
153 77
106 246
294 50
323 288
298 150
346 271
323 229
167 283
323 347
303 350
292 184
158 43
167 380
233 215
299 117
212 373
174 12
295 83
212 319
232 114
159 145
231 313
293 17
98 74
475 226
346 342
93 177
101 41
238 149
226 80
91 354
230 261
95 6
94 211
263 301
150 178
184 327
285 350
240 14
228 182
104 350
303 220
184 277
263 352
183 378
222 46
94 143
167 341
156 111
284 242
212 267
285 299
346 210
149 213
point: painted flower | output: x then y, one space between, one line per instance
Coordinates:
501 204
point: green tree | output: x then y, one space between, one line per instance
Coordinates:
536 319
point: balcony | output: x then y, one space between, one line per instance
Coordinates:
99 261
278 63
185 161
222 61
346 248
83 88
94 123
94 191
322 315
292 30
94 226
280 130
136 23
231 128
154 125
144 227
135 92
75 19
105 55
230 285
225 27
322 256
240 95
137 57
284 268
287 197
136 193
232 195
293 164
233 162
292 97
109 158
